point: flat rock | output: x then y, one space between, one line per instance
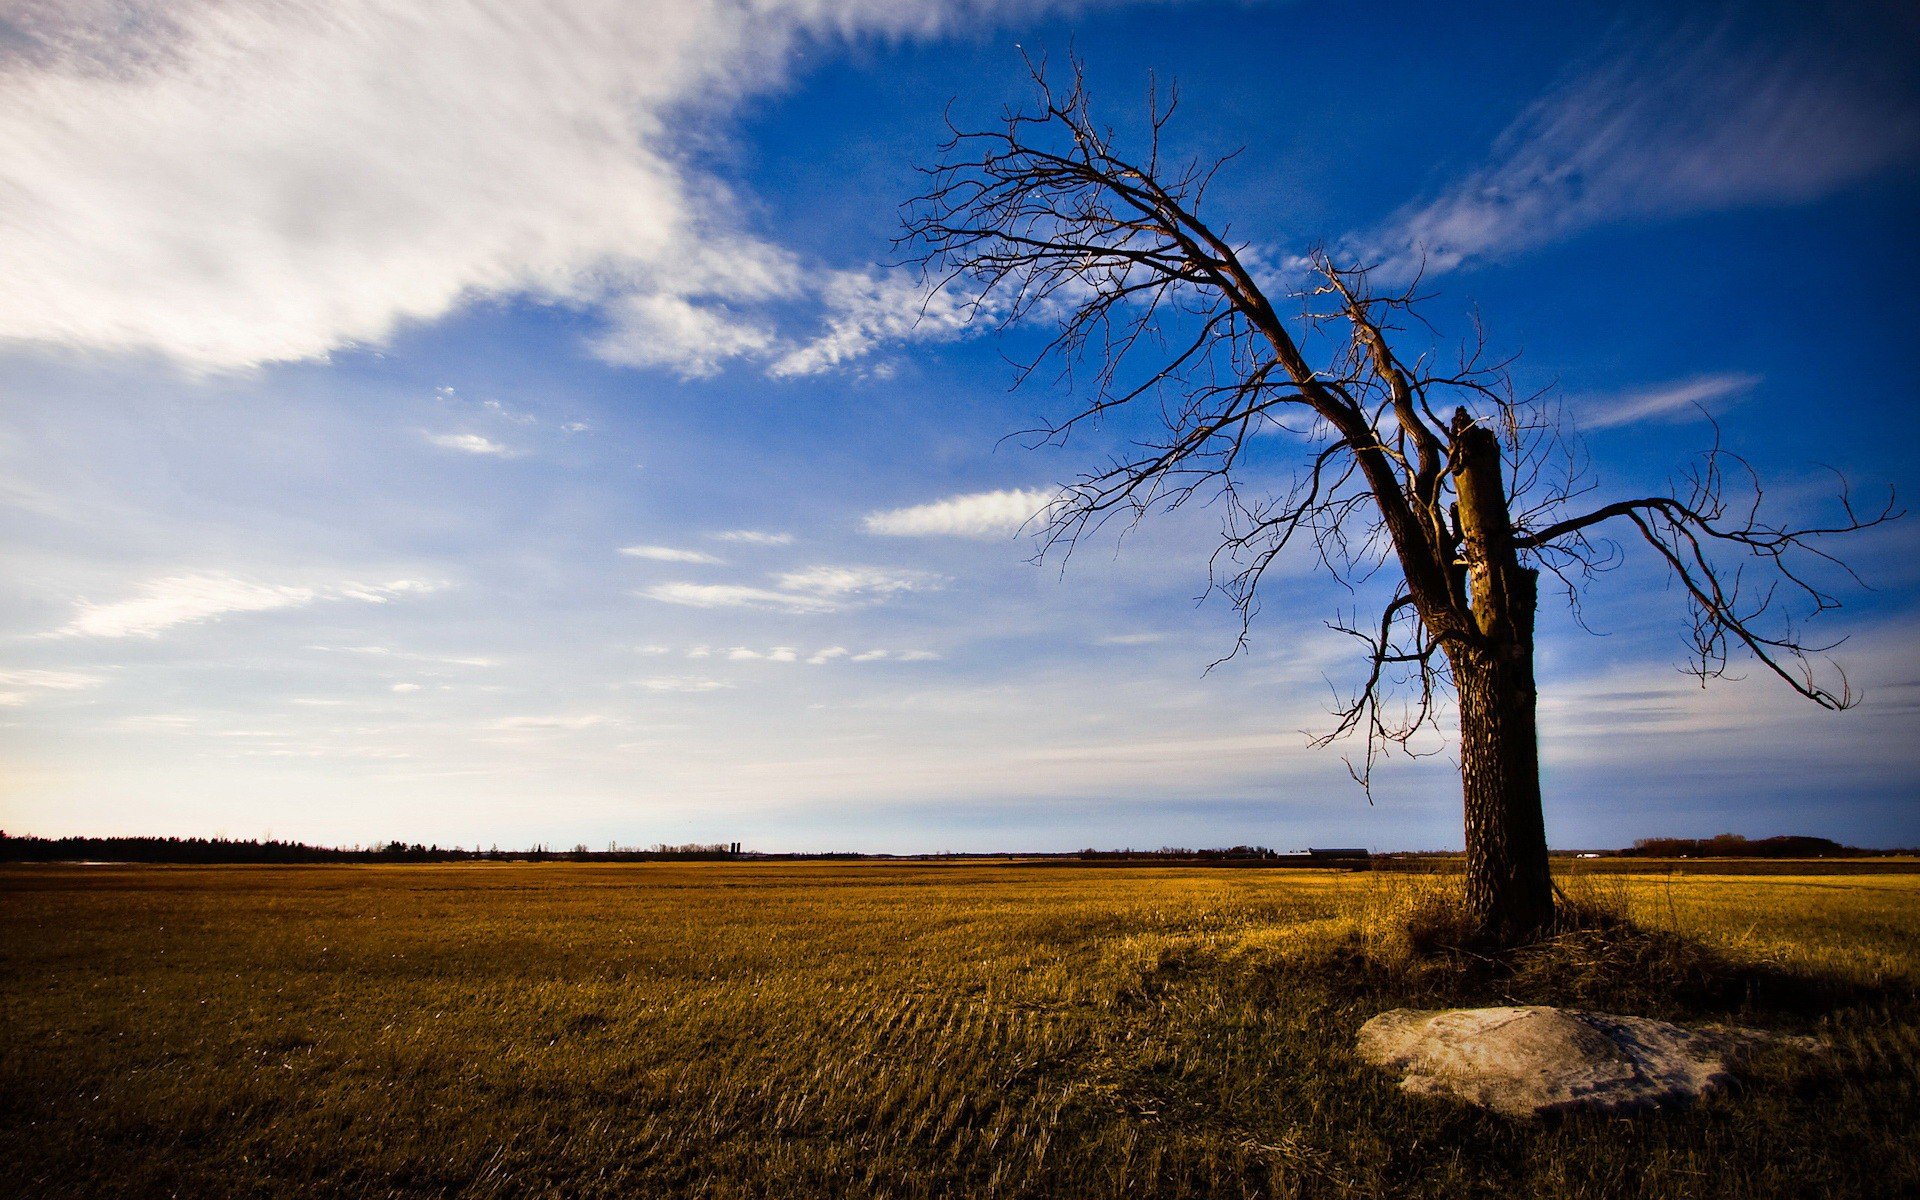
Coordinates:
1525 1061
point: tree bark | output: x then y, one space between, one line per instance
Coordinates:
1509 886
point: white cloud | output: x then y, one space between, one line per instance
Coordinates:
875 655
676 683
184 599
380 593
1131 639
562 722
179 600
866 308
754 537
410 656
813 590
471 443
1696 124
792 654
694 340
403 688
667 554
974 515
507 414
779 654
1669 401
856 581
236 184
61 681
731 595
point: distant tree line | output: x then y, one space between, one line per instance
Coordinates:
190 850
195 850
1732 845
1181 853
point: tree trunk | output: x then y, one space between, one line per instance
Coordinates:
1509 889
1509 884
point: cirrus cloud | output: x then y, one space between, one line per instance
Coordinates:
822 589
979 515
1665 402
667 554
59 681
161 604
471 443
1694 121
754 537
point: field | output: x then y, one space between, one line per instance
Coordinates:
801 1030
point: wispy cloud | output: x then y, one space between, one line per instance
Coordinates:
856 581
734 595
471 443
868 308
895 656
821 657
779 654
411 656
1694 123
667 554
59 681
974 515
161 604
1667 402
682 683
565 721
24 687
436 153
813 590
754 537
507 414
693 336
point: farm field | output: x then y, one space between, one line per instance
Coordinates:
787 1030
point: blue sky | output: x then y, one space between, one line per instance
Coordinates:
496 424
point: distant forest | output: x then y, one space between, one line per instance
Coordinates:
192 850
1732 845
229 850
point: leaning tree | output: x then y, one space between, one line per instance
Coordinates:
1041 218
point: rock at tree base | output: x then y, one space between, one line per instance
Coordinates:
1526 1061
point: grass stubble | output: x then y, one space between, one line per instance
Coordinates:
773 1030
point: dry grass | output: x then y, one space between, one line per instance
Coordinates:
720 1030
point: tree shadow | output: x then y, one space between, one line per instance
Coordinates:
1416 950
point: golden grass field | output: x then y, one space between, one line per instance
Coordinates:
785 1030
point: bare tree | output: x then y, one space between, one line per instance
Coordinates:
1041 219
